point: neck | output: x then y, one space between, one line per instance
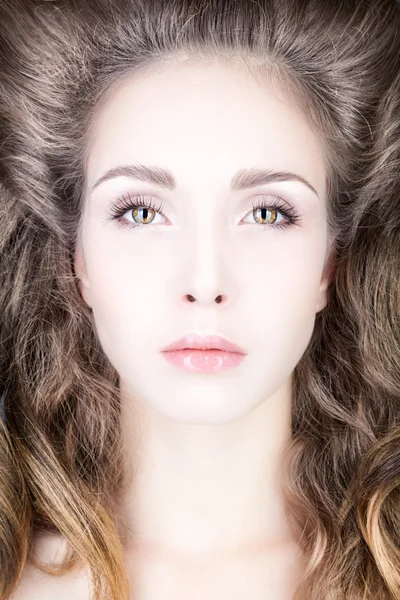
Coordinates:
205 489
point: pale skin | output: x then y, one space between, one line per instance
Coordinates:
206 497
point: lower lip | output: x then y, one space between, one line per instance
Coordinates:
203 360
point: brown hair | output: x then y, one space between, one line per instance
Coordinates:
60 454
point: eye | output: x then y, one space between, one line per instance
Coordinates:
140 208
266 213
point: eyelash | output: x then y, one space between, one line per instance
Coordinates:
124 204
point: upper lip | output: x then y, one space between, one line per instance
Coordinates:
204 342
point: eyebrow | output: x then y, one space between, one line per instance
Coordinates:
243 179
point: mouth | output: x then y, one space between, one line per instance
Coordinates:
194 341
204 353
211 360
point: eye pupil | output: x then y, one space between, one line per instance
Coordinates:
265 211
146 215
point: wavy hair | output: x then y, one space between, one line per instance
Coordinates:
60 448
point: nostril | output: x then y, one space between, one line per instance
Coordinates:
218 299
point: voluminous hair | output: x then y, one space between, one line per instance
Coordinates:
60 444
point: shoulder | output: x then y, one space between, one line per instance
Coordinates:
37 585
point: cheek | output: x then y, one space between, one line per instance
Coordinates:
127 300
284 288
285 275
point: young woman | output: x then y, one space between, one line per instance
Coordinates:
199 258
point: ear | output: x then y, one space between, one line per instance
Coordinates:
326 278
81 273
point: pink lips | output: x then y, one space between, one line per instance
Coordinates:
203 353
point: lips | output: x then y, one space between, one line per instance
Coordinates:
208 342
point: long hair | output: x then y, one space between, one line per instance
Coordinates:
60 443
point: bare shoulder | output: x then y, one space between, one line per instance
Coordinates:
37 585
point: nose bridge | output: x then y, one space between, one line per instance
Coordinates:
206 247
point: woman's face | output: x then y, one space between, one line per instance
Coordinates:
204 123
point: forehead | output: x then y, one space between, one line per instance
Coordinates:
201 117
